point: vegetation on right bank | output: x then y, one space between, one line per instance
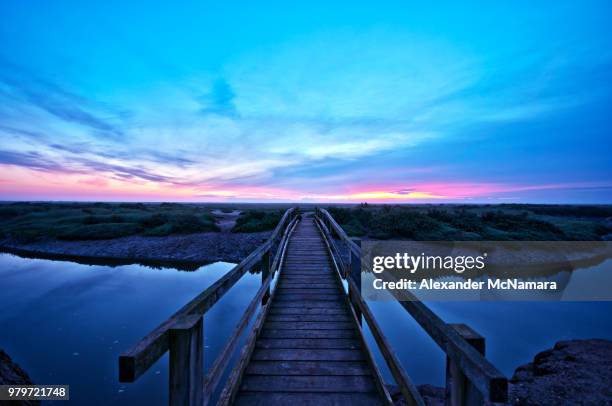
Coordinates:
475 222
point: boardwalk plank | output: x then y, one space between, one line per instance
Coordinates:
309 317
306 343
290 383
308 368
308 325
300 354
273 333
306 310
307 399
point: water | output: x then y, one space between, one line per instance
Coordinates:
67 323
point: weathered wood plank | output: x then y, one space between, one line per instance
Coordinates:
307 355
307 310
309 317
308 368
308 325
307 304
307 296
273 333
306 343
307 399
308 285
333 384
283 290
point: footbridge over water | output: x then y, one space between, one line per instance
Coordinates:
304 329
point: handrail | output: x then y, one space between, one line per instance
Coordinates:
485 377
138 359
221 362
407 387
233 380
354 248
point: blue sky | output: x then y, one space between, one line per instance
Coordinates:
282 101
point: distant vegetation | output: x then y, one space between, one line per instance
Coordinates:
475 222
28 222
252 221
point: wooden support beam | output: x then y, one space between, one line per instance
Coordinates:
187 361
459 390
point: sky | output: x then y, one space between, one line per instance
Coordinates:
403 102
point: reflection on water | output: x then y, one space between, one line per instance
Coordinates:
66 323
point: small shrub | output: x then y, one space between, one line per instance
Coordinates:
8 212
256 220
190 223
154 220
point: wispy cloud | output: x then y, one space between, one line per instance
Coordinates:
21 86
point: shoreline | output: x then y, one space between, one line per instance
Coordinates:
185 252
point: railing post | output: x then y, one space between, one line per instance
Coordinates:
187 361
459 390
355 274
265 271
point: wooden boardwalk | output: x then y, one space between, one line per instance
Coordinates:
309 351
304 344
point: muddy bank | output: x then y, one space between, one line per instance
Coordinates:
575 372
572 372
12 374
195 249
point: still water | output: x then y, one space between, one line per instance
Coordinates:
67 323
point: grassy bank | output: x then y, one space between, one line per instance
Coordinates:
475 222
28 222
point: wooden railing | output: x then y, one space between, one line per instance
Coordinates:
182 334
470 378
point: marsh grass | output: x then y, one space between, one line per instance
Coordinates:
474 222
28 222
251 221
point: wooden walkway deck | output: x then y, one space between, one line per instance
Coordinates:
309 351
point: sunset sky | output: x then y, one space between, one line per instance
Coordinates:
306 101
